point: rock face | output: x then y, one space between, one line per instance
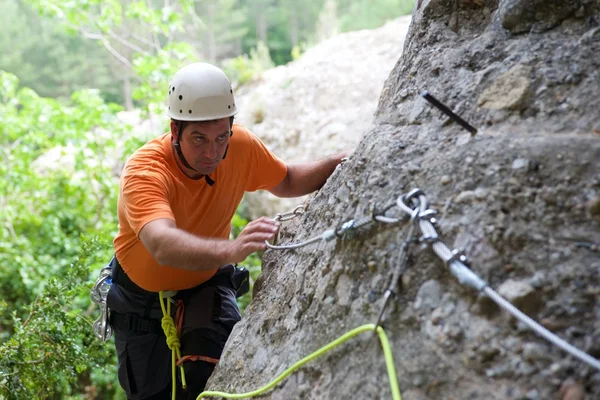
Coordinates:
520 198
320 104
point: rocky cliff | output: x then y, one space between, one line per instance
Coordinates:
521 197
321 103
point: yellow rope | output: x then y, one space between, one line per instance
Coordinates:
170 330
387 352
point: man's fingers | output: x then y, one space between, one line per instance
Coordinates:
258 237
261 225
254 235
254 241
263 220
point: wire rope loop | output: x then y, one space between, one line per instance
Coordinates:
414 216
292 246
415 193
404 201
386 220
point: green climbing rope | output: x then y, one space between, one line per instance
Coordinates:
170 330
387 352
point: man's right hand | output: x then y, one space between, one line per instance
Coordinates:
252 239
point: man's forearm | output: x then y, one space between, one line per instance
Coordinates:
307 177
183 250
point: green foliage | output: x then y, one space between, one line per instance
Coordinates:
242 69
296 52
216 28
130 49
369 14
156 72
281 25
56 189
139 36
49 60
52 348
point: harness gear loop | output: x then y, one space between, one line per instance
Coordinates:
207 359
170 330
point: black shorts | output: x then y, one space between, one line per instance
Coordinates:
144 359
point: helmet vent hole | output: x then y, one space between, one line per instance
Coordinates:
231 91
180 111
190 111
180 97
228 106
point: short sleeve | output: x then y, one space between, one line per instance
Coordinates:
267 170
145 199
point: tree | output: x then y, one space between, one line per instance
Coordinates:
49 60
328 21
133 32
369 14
220 28
58 196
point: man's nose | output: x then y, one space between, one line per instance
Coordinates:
210 151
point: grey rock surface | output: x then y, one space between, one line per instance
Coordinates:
520 198
321 103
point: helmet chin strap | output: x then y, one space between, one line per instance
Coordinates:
177 146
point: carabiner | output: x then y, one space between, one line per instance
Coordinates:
282 217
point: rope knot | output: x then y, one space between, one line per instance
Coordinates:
168 326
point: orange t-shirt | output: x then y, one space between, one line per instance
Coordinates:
154 187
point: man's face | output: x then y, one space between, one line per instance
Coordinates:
204 143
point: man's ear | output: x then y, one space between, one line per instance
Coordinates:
174 130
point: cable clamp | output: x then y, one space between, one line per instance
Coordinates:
346 226
458 255
429 239
329 234
429 215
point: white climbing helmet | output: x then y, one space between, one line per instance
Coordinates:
200 92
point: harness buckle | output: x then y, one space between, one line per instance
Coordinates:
144 325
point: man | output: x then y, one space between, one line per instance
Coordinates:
177 197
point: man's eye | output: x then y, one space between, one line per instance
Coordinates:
222 139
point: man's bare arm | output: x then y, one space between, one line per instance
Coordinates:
177 248
307 177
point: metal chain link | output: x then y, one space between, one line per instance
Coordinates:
414 205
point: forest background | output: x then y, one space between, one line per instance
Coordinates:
67 71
